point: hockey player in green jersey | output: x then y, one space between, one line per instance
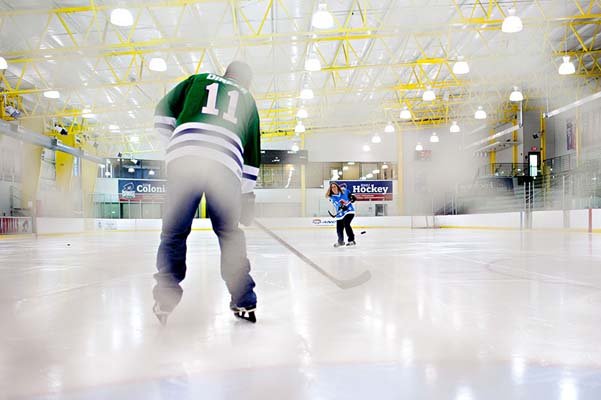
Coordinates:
212 124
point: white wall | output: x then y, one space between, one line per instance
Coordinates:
337 147
5 193
501 220
449 166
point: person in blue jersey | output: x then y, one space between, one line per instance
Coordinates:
343 201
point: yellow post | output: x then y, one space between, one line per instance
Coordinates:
64 164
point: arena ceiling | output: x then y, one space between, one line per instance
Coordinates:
378 58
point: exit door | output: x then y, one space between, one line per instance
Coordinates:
533 163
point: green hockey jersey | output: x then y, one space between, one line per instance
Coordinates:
211 117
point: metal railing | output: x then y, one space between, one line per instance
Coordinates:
15 225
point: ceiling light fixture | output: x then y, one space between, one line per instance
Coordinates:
312 64
366 148
567 67
434 138
429 94
322 19
299 128
480 113
122 17
376 139
151 172
516 95
405 113
461 67
3 63
389 128
512 23
295 147
302 113
455 128
419 147
306 94
157 64
52 94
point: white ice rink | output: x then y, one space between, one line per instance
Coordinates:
448 314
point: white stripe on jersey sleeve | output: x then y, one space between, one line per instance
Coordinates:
248 185
250 170
160 119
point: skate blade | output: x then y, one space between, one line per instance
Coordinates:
246 315
162 318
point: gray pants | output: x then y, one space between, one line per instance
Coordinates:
188 179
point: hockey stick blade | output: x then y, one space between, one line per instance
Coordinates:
354 282
341 283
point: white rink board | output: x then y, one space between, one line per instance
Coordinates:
541 220
501 220
547 219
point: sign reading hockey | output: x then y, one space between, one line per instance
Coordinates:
139 189
369 190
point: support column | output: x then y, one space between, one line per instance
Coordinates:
492 156
577 131
515 147
543 140
399 173
32 161
64 165
303 181
89 172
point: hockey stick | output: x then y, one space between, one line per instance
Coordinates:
341 283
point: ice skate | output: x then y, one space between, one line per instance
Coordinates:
351 243
160 314
245 313
339 244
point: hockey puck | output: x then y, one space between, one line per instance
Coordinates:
68 244
363 232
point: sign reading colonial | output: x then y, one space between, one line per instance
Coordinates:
138 189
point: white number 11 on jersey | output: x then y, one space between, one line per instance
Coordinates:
211 107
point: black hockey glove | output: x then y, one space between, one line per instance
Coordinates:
247 213
352 197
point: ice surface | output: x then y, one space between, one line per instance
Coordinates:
448 314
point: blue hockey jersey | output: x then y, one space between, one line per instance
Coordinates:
343 204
